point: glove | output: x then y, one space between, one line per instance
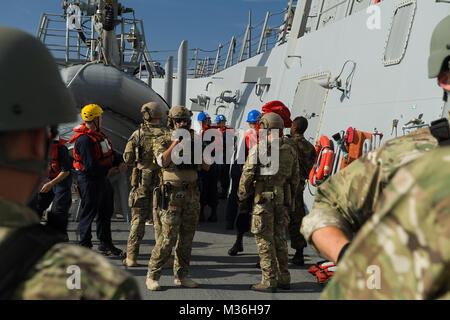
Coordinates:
243 207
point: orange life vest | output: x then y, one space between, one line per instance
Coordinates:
324 161
103 150
251 138
354 142
55 166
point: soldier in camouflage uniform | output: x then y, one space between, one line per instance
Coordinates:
180 204
306 155
146 176
396 200
35 264
272 202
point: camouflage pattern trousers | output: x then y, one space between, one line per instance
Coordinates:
297 240
178 224
269 223
141 204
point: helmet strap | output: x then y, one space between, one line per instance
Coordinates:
38 166
96 125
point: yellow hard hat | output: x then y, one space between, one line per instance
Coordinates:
90 112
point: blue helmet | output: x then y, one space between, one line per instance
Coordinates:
203 116
220 117
253 116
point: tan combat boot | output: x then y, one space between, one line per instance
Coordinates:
261 287
185 282
130 262
152 284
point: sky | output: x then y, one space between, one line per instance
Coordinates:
204 23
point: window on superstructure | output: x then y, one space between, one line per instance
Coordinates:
399 32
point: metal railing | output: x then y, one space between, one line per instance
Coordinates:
73 46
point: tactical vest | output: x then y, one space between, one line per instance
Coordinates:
306 154
145 148
277 186
284 171
103 150
55 166
191 165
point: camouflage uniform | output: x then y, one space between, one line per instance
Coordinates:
179 220
306 155
373 189
47 278
270 211
141 196
407 238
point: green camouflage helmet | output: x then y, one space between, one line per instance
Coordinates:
180 112
271 120
439 47
33 95
153 109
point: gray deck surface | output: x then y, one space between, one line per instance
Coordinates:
221 277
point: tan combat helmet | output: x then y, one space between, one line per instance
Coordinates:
151 110
271 120
33 94
179 112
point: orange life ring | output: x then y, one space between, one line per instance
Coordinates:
324 161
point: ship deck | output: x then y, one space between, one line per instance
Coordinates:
221 277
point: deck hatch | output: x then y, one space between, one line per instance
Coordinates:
399 31
310 100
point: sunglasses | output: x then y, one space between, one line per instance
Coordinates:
181 120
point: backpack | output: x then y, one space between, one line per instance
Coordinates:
20 251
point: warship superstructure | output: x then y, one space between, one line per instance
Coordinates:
340 64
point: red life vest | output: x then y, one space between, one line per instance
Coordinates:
55 166
323 270
103 150
251 138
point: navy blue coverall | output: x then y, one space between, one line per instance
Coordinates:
97 194
60 195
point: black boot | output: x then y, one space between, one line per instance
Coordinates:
202 214
108 249
237 247
213 216
298 259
